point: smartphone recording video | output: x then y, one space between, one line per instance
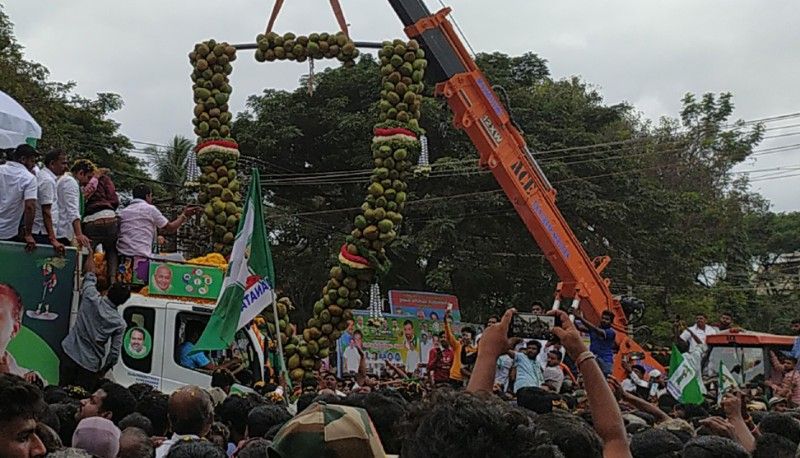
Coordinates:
530 326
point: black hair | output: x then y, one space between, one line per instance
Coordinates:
273 431
386 408
666 402
262 418
573 436
655 443
434 314
54 394
408 322
457 416
118 294
222 378
245 377
19 399
66 418
703 314
358 331
141 191
49 437
608 313
195 448
305 400
138 390
142 448
536 399
119 401
781 424
693 411
155 406
771 445
254 448
49 417
726 313
796 321
233 412
535 303
555 353
496 318
535 343
713 447
22 151
137 420
53 156
468 329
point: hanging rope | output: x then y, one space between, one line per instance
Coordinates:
275 10
337 12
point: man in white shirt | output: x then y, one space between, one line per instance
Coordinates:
18 196
46 219
68 199
139 223
700 330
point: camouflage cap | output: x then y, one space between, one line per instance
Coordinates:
330 431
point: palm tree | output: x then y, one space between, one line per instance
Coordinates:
170 164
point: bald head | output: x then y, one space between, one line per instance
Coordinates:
134 443
191 411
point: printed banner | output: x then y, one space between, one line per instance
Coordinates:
185 280
402 340
35 304
423 305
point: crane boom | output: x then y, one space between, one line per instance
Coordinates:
502 149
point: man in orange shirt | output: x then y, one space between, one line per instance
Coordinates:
464 351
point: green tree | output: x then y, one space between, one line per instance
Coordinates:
170 163
79 125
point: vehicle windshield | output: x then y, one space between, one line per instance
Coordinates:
745 363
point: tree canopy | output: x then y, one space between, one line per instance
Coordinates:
659 198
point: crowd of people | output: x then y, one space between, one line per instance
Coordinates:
474 396
48 200
586 414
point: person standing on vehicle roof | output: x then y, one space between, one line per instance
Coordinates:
601 338
18 196
45 221
85 359
139 224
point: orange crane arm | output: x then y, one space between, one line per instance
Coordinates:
502 149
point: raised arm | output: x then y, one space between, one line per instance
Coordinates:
609 425
448 332
494 343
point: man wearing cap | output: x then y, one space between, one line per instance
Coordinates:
18 196
328 430
658 384
778 404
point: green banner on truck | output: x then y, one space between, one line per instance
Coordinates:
35 304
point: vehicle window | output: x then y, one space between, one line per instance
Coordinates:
138 341
188 328
745 363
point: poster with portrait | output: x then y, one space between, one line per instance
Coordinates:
35 304
396 339
185 280
423 305
137 342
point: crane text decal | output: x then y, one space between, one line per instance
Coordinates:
548 225
523 177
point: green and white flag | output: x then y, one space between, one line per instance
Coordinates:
683 382
725 381
248 285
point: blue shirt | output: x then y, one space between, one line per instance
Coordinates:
529 372
195 361
795 353
603 348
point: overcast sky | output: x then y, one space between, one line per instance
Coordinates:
646 53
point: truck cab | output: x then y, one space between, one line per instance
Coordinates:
156 329
746 353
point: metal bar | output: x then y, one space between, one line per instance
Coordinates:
359 44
